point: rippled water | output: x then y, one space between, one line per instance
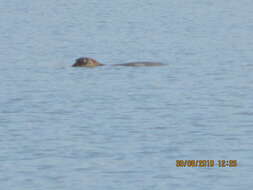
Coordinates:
118 127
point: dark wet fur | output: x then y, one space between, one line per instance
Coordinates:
78 63
140 64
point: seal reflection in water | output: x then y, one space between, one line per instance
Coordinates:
89 62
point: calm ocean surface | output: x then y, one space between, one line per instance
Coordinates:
114 128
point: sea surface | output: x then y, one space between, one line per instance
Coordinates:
124 128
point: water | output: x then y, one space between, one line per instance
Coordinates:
117 127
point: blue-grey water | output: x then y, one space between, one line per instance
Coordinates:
107 128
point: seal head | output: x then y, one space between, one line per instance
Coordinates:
86 62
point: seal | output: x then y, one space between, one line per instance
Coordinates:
89 62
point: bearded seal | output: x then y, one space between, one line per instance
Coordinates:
89 62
